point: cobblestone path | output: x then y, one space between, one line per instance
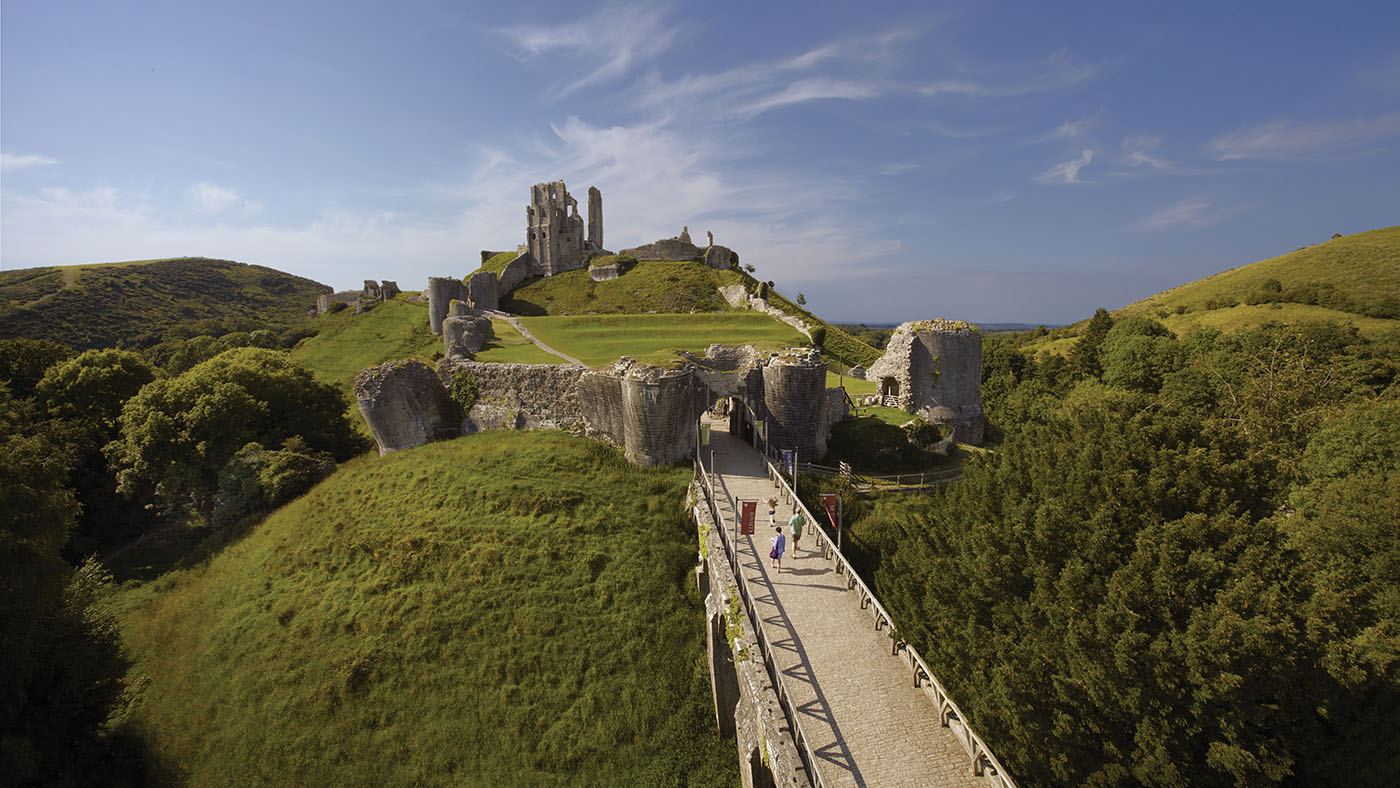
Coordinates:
858 707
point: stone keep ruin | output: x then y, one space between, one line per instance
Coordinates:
651 413
933 368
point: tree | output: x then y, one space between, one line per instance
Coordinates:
801 299
818 336
1137 354
750 267
23 362
1085 355
178 433
91 387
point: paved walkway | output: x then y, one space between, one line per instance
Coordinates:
859 709
524 332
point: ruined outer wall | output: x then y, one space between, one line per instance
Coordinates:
516 271
600 401
794 392
405 405
520 396
482 290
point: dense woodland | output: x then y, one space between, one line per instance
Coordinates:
1180 566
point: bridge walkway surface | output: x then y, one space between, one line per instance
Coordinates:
860 711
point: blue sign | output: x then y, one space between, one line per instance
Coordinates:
787 460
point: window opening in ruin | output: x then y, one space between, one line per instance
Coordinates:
889 387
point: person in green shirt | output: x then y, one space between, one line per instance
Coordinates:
796 524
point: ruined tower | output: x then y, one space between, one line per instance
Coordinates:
554 232
933 368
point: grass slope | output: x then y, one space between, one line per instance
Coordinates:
347 342
502 609
510 347
135 303
599 339
497 263
1354 279
649 287
1357 274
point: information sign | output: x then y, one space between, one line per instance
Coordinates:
747 510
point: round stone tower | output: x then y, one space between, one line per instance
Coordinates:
442 291
794 393
659 415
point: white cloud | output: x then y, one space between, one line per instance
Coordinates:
11 161
613 39
1136 152
1066 171
1194 213
1281 140
210 198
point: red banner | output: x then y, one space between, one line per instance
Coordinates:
829 501
747 511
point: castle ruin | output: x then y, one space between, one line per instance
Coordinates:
554 232
933 369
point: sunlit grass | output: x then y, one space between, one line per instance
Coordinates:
598 339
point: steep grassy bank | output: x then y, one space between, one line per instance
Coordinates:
503 609
347 342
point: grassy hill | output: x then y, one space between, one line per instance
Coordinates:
347 342
1355 276
599 339
1353 279
649 287
135 303
502 609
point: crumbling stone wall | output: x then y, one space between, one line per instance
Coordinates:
482 291
516 271
933 368
405 404
519 396
465 331
372 291
675 250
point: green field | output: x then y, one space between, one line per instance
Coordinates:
852 385
599 339
650 286
501 609
509 347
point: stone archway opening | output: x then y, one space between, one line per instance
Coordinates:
889 388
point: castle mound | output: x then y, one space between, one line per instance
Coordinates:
503 609
108 304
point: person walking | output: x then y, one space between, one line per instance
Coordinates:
775 555
796 524
773 511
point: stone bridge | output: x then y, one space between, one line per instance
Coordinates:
808 671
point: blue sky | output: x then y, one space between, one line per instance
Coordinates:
993 161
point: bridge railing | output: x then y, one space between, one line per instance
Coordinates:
983 762
765 647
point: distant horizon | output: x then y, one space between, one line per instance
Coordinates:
996 159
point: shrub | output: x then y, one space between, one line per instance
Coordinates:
336 306
464 390
819 336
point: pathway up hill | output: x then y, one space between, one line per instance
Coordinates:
858 707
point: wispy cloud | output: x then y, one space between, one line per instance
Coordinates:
11 161
816 89
1282 139
1136 152
612 40
1194 213
1055 72
1069 129
1066 171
